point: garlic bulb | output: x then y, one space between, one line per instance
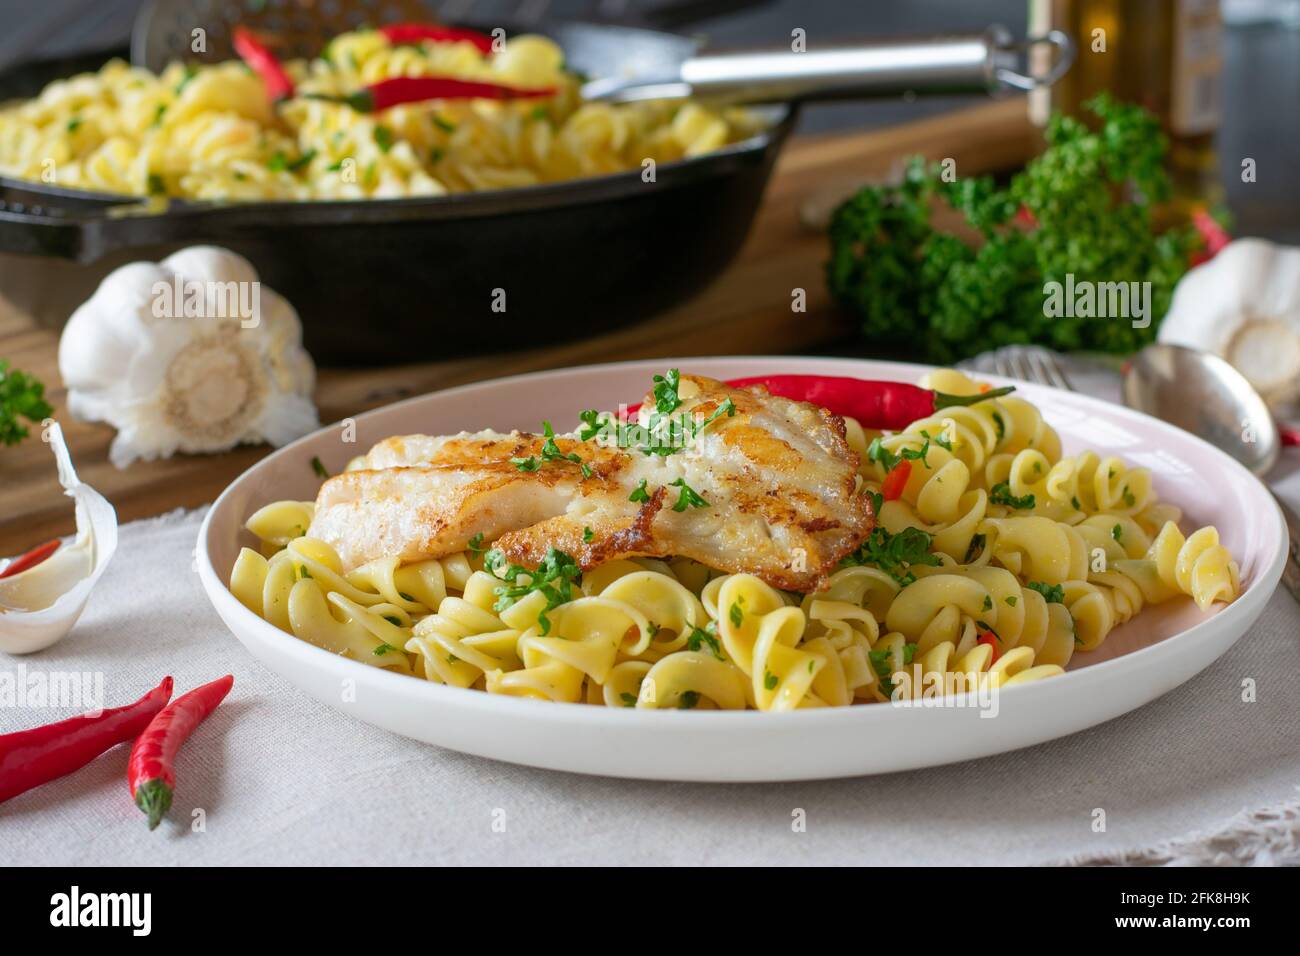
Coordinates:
40 605
1244 305
189 354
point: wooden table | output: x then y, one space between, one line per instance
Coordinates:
747 309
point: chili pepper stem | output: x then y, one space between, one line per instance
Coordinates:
944 400
154 797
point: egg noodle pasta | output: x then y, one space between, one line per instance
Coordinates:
209 132
991 564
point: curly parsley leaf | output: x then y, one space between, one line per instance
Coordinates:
554 578
1052 593
895 554
21 396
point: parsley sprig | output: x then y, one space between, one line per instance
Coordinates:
895 554
887 460
554 577
1052 593
21 395
1000 494
550 452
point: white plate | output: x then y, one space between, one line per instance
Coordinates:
1159 650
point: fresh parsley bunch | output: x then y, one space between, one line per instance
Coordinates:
21 396
1082 207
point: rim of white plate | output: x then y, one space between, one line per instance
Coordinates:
1259 591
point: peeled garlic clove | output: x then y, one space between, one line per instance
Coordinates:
40 605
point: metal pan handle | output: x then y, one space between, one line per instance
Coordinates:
979 63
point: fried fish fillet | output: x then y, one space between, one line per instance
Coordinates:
779 479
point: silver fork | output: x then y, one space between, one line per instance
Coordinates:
1030 363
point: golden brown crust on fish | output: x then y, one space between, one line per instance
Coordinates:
779 478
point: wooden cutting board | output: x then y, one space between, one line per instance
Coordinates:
746 310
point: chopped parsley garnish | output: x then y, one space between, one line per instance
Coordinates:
769 680
554 578
705 637
475 545
393 620
406 597
665 391
591 424
317 467
383 138
639 493
687 498
551 451
988 603
1129 500
1000 494
74 124
689 700
281 163
1000 425
1074 503
445 125
887 460
629 700
526 464
1052 593
157 186
976 546
940 439
727 408
158 114
1117 533
383 649
736 614
1011 601
882 662
587 535
895 554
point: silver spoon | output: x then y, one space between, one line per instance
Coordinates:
1204 395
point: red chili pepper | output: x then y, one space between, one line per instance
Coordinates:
30 758
264 63
890 406
1025 217
150 770
30 559
420 32
1290 436
400 90
991 639
1212 234
891 489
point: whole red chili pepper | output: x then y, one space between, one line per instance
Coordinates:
888 406
264 63
400 90
29 758
420 32
150 771
30 559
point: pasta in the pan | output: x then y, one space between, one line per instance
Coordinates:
991 564
208 132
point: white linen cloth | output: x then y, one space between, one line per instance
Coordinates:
1197 776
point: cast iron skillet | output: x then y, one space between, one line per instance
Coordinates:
387 281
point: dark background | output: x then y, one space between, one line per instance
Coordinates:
1261 95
